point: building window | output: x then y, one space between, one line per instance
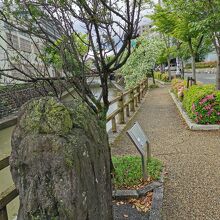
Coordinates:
12 41
25 45
14 72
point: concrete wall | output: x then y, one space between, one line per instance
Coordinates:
12 100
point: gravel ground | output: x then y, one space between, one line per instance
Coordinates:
126 212
191 158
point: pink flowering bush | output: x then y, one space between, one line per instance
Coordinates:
202 103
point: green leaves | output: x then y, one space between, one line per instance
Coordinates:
176 19
202 103
128 170
61 53
143 58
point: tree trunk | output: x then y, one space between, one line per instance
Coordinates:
182 69
161 68
178 73
169 71
194 67
218 73
216 43
152 74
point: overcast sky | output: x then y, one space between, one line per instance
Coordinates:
78 26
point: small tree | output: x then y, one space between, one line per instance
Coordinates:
65 35
207 13
56 25
174 19
142 60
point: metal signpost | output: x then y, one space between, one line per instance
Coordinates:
142 144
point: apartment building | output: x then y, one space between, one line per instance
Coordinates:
27 56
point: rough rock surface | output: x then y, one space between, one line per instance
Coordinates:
60 162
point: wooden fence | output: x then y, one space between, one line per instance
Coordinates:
8 195
127 102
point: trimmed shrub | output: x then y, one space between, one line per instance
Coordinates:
202 103
161 76
210 64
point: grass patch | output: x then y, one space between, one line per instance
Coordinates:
128 170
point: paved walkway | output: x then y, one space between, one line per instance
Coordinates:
191 158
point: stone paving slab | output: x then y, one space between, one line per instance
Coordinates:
191 158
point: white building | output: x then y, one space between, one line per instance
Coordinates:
26 58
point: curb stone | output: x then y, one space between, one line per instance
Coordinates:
124 194
162 83
189 122
8 121
157 203
152 186
157 187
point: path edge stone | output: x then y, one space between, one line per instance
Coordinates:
155 213
125 194
162 82
192 126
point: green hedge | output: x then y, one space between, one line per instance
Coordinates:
202 103
201 65
161 76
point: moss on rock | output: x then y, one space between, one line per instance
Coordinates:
47 115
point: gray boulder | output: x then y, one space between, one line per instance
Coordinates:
60 162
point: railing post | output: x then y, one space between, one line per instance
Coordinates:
139 93
146 84
3 214
121 116
114 127
136 98
142 89
131 97
127 110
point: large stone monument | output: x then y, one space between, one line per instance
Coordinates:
60 162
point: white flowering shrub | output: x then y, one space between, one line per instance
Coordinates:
142 59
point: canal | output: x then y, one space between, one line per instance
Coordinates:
5 150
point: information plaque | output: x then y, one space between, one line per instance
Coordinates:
142 144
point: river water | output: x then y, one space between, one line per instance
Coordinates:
5 150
